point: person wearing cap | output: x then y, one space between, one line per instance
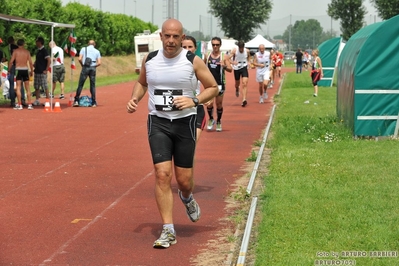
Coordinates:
58 68
7 51
88 70
41 66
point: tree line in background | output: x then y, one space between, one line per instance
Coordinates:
239 18
113 33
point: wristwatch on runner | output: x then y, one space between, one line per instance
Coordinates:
196 101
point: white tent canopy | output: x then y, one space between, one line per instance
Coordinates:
258 40
35 21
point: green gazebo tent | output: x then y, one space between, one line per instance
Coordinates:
368 80
329 52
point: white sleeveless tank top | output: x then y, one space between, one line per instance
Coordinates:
241 59
263 59
168 78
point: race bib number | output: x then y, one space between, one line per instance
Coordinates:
164 99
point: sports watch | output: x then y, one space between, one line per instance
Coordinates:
196 101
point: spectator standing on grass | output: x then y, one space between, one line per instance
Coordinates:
23 63
298 56
7 53
317 71
41 66
168 77
89 59
58 68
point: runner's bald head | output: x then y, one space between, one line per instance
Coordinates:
172 23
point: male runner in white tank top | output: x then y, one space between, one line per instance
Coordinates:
262 61
167 75
240 59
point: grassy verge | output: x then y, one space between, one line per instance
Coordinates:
325 192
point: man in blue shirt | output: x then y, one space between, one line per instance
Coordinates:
88 70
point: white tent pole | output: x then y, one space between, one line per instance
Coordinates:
52 69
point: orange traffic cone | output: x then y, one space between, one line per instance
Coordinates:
47 107
70 100
57 107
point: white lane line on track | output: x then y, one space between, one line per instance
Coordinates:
98 217
61 166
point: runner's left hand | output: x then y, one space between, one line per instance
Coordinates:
183 102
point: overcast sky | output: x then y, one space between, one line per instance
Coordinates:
195 16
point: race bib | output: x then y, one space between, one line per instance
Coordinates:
164 99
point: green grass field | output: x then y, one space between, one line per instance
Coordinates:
325 192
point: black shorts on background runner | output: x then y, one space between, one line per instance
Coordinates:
201 121
242 72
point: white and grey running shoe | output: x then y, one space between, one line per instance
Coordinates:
192 209
166 239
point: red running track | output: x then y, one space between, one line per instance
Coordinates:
77 186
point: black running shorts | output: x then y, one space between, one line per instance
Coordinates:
22 74
172 139
200 117
242 72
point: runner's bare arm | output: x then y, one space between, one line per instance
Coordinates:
139 89
30 65
207 80
227 64
256 61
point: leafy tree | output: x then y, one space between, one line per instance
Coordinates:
113 33
3 8
386 8
238 18
351 14
278 37
304 34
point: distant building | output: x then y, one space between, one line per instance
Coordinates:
280 45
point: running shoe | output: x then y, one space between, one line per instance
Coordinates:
219 127
314 95
30 107
265 95
62 97
166 239
75 104
261 99
18 107
237 92
244 103
211 122
192 209
36 103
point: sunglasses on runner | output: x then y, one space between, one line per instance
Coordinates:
215 44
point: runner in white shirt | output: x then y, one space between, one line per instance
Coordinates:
167 75
240 59
262 61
